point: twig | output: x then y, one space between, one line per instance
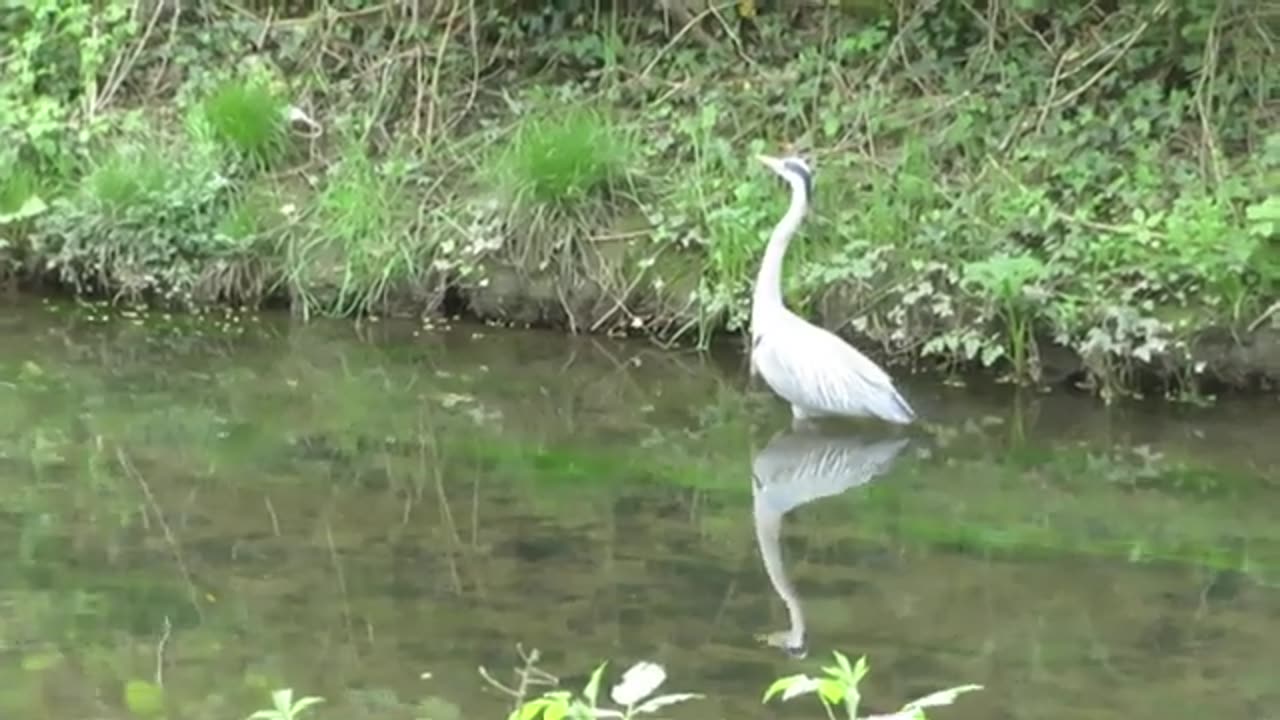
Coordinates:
733 36
165 59
528 675
689 26
1128 42
118 71
474 37
271 511
621 299
164 640
174 547
435 73
1208 70
1053 90
342 580
1253 326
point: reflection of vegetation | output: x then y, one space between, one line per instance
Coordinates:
324 494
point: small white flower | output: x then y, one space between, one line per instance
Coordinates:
637 683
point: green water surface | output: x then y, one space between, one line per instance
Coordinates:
197 511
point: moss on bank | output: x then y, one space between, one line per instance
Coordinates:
1069 196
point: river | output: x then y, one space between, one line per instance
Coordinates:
198 510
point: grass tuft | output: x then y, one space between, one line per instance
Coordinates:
127 177
248 118
140 224
359 244
17 186
562 158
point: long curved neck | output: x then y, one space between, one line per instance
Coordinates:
768 292
768 522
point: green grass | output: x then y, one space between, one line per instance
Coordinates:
562 177
561 157
248 118
18 184
968 212
359 243
129 176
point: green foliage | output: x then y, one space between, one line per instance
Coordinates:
20 204
559 157
359 245
18 185
839 688
248 117
59 73
141 224
988 185
284 707
633 694
144 699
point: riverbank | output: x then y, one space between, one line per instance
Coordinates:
1063 198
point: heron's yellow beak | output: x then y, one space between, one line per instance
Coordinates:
773 163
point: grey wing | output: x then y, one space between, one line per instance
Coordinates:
813 368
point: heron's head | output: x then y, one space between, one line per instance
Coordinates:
794 170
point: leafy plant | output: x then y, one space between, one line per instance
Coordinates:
248 117
563 157
984 188
629 694
141 224
284 707
839 689
59 74
359 246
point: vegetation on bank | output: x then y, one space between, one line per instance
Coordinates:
997 182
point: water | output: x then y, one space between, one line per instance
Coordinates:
224 506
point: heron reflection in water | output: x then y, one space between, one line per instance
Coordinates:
796 468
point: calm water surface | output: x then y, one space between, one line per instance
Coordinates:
225 506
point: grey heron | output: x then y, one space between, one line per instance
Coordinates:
808 366
796 468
